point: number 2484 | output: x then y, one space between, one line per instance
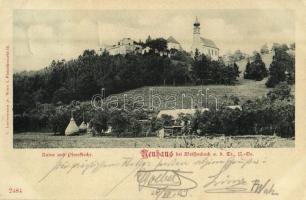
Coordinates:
15 190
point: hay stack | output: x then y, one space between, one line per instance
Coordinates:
72 128
83 127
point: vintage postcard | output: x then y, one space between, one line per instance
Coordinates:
153 100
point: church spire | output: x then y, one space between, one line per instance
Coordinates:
196 27
196 23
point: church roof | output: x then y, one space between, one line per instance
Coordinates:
172 40
208 43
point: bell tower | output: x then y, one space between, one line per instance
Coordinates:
196 27
196 42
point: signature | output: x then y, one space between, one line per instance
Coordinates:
166 183
87 166
227 184
222 182
266 187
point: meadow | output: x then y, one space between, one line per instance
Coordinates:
48 140
171 96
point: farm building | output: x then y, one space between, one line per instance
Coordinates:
174 113
177 127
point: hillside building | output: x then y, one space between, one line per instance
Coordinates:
203 45
123 47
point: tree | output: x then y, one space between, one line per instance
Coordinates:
167 120
236 71
248 71
86 86
264 49
148 39
25 102
135 127
59 120
292 46
206 71
120 122
275 46
230 74
201 69
156 124
237 55
100 121
281 92
179 74
40 96
256 70
63 95
282 68
159 44
196 54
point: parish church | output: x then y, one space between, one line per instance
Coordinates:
203 45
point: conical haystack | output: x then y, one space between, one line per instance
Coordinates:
83 127
72 128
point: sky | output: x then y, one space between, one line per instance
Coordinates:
41 36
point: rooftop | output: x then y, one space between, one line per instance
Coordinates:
172 40
175 112
209 43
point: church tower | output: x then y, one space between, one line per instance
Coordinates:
196 43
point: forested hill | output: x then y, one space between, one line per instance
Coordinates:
79 79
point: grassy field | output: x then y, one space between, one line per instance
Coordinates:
244 89
169 97
48 140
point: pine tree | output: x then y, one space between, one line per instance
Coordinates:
196 54
256 70
247 71
281 68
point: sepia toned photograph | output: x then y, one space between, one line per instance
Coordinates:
154 78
